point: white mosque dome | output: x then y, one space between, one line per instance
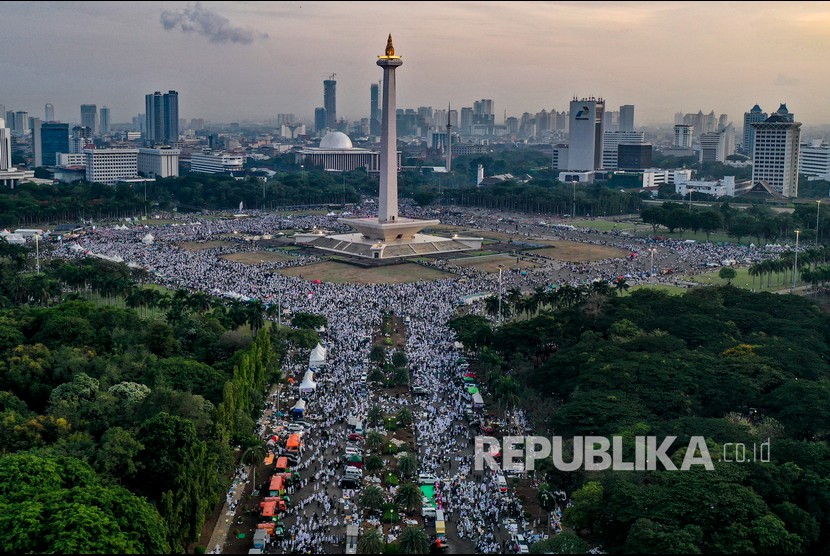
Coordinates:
336 140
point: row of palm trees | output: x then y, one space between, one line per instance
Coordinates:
515 303
783 265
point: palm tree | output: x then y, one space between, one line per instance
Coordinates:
254 309
372 498
409 497
374 441
375 415
621 284
414 540
199 302
407 465
514 295
404 416
370 542
253 455
373 464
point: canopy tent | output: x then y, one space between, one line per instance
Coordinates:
478 401
299 408
472 390
148 239
317 357
308 385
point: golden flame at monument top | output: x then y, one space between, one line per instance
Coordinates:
390 50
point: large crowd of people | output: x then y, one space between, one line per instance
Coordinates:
472 500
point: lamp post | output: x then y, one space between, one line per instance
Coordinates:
818 207
500 288
652 251
37 253
795 261
573 211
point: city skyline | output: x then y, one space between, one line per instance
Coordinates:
251 61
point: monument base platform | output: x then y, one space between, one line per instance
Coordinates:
358 245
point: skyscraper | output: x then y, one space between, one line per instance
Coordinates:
5 146
374 110
754 116
49 139
466 120
21 120
330 101
320 119
626 117
162 116
49 112
683 134
171 116
586 134
89 117
105 119
776 154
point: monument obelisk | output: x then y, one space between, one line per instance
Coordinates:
388 197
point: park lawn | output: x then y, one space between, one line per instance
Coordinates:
574 251
258 257
343 273
603 225
490 263
742 280
668 288
699 237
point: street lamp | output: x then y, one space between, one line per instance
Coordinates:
818 207
652 251
795 261
37 252
500 289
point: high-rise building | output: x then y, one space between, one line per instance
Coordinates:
111 165
815 160
320 120
5 146
162 117
374 109
158 163
81 139
105 119
21 121
330 102
626 117
10 120
612 140
776 153
466 120
483 107
49 112
49 139
89 117
723 121
754 116
683 134
632 156
586 134
784 113
170 103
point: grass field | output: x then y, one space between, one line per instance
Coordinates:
258 257
491 263
744 280
671 290
603 225
574 251
201 246
342 273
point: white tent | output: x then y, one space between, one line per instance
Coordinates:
148 239
298 408
317 357
75 247
308 385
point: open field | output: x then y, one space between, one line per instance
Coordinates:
201 246
668 288
744 280
342 273
490 263
575 251
604 225
258 257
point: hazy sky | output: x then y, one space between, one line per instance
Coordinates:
232 61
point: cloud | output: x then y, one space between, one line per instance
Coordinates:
786 80
210 24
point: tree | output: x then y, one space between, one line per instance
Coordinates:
414 540
375 415
727 274
377 355
654 216
566 542
370 541
399 359
587 506
116 455
309 321
407 465
372 499
404 416
373 463
409 497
